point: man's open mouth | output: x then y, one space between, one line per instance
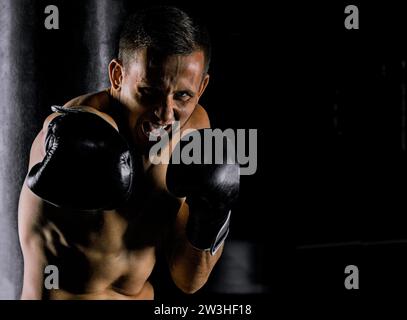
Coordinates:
151 129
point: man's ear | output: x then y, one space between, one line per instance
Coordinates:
115 74
203 85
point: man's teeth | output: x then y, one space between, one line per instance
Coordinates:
157 130
158 127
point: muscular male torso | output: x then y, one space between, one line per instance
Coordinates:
111 254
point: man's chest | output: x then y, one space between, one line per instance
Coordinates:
110 248
144 221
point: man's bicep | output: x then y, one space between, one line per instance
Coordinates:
30 223
32 243
34 265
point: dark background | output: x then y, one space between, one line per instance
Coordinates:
349 159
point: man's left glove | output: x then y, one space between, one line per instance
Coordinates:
211 189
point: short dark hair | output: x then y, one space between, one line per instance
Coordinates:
164 29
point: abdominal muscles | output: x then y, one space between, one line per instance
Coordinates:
98 268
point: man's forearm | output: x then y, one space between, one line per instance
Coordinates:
190 267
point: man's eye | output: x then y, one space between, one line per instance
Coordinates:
183 96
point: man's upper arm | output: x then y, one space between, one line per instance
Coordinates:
32 243
30 209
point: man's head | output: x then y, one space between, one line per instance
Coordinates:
161 70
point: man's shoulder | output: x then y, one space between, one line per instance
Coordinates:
199 119
96 100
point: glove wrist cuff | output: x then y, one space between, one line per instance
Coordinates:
208 238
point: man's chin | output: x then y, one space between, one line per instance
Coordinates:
144 142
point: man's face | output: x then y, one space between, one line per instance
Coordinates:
159 91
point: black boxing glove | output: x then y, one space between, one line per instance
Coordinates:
87 166
210 189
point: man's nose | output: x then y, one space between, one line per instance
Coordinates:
165 113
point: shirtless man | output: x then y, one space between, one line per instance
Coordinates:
95 206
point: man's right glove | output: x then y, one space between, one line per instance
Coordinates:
210 189
87 166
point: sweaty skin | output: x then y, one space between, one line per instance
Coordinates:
111 254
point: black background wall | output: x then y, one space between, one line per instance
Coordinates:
349 181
